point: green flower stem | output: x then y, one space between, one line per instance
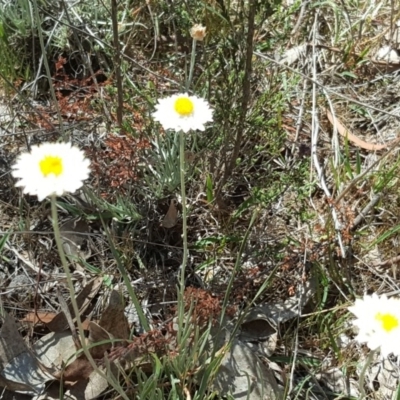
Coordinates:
182 168
363 372
191 68
181 290
64 262
184 210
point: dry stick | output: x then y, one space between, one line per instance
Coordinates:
343 131
314 143
383 263
105 44
300 19
47 67
335 138
246 93
117 61
358 177
366 210
327 89
299 123
86 60
65 309
367 364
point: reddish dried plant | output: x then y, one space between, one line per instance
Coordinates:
115 164
75 95
163 341
151 342
205 307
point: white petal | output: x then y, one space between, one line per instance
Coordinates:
75 170
167 116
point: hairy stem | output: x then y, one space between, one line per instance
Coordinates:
191 68
64 262
367 364
184 210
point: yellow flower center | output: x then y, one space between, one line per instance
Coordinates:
184 106
51 165
388 321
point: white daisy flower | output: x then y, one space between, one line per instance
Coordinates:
183 112
51 168
378 321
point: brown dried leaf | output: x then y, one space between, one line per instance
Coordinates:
44 318
79 370
171 217
98 334
343 131
39 317
84 298
113 319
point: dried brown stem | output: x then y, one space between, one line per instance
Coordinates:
117 61
246 92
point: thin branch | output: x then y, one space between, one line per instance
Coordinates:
117 61
314 142
246 92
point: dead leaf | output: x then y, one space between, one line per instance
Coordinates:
189 156
79 370
171 217
39 317
393 35
384 372
244 376
256 326
388 55
279 313
343 131
79 380
337 382
15 386
113 324
84 298
55 349
97 385
10 395
96 335
73 240
83 389
45 318
19 368
113 319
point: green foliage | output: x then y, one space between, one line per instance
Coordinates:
162 164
